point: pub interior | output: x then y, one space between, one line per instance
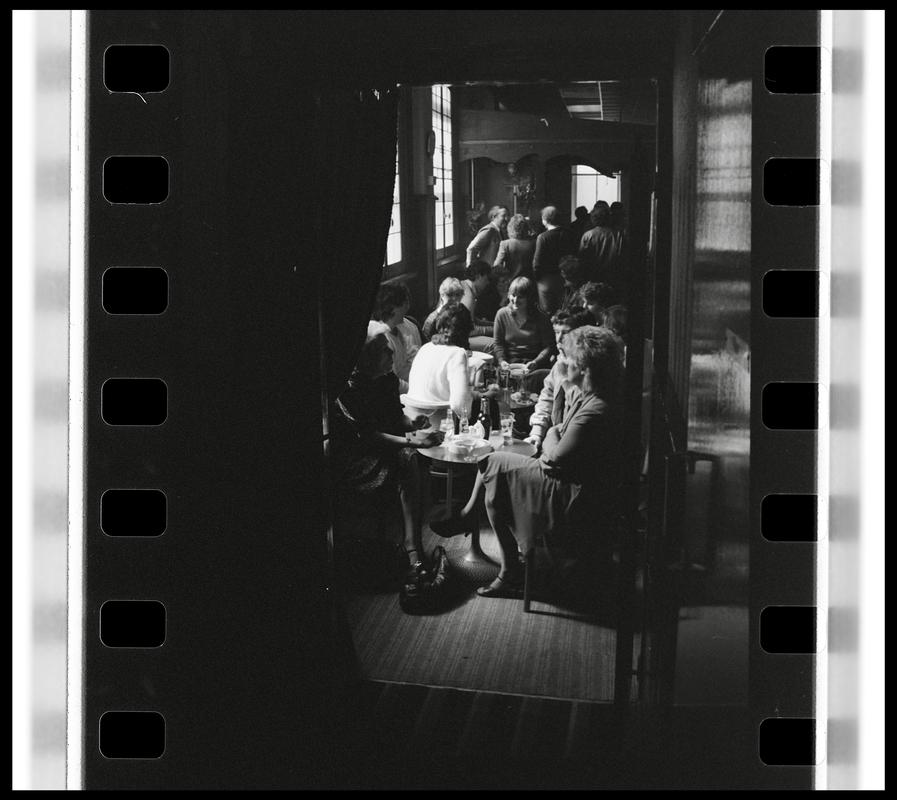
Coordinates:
466 151
512 150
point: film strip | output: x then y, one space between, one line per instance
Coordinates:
210 648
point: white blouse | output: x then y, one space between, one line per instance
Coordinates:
439 374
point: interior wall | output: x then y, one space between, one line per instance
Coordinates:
684 132
493 185
417 201
703 404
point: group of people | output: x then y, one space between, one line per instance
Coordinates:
598 240
571 342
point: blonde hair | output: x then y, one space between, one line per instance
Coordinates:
450 289
518 227
599 351
523 286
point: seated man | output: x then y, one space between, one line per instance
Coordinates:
597 298
574 277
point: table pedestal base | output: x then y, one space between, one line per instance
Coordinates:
475 554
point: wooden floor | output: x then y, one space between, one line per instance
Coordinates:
565 650
399 736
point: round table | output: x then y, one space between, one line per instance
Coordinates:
453 461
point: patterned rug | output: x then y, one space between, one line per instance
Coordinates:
565 649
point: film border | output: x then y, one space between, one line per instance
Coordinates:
209 402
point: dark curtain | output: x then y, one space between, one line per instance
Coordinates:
355 171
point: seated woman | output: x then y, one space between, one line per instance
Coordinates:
370 445
481 300
557 393
522 330
440 374
576 476
451 290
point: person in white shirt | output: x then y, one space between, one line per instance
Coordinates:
393 302
440 374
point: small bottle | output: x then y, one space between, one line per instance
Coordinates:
485 418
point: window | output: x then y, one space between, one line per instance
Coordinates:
589 187
442 167
394 239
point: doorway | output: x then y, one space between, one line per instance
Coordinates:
524 146
588 186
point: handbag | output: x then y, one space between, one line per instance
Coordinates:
429 591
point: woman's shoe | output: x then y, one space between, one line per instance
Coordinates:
414 572
502 587
448 527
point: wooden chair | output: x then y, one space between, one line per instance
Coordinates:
611 528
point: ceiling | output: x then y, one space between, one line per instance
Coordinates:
629 101
526 46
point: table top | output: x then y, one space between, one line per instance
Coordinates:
495 444
525 400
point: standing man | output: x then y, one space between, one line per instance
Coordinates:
581 223
484 246
552 245
598 248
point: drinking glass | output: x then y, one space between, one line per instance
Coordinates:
507 427
504 373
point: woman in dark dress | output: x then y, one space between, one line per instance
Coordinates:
576 476
371 448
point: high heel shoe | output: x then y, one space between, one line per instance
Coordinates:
502 587
414 571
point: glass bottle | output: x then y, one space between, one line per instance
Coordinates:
486 417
